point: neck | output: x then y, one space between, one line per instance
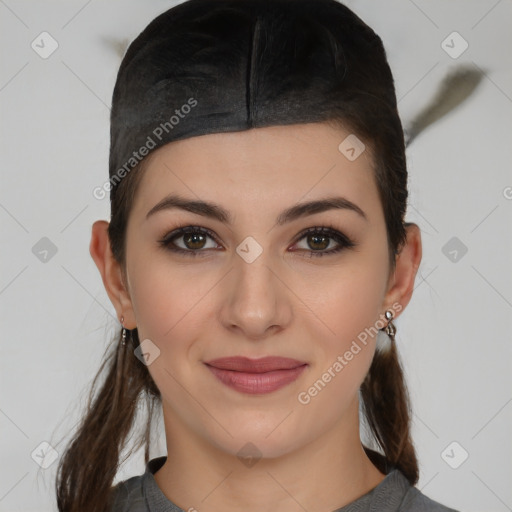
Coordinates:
326 474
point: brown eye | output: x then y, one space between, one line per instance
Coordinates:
320 242
319 238
194 240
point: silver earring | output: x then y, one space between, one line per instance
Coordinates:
386 336
124 332
390 328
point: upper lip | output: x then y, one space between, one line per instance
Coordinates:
262 365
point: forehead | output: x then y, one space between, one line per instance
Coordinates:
260 169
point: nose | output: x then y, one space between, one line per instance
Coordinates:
257 300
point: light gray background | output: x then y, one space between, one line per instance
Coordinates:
57 320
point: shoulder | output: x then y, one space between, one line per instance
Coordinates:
127 496
131 495
415 501
395 493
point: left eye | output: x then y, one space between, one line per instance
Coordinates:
320 238
193 240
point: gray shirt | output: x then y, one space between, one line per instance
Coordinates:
394 494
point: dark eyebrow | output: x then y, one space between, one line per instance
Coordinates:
215 211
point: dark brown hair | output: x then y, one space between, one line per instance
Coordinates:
248 63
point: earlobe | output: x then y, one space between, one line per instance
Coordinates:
407 263
111 273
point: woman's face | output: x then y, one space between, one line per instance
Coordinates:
256 286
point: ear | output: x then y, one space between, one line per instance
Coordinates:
401 282
111 273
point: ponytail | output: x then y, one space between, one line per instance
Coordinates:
89 465
386 408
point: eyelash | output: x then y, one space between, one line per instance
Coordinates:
328 230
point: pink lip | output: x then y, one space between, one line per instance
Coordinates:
255 376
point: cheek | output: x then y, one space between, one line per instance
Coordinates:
170 301
357 304
347 298
171 307
343 357
344 308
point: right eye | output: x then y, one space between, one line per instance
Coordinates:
193 240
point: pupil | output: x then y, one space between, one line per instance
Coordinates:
194 238
316 238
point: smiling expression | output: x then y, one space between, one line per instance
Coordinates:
257 273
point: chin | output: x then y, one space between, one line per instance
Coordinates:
269 438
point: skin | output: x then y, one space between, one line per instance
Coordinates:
284 303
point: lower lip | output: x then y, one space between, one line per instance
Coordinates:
257 383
